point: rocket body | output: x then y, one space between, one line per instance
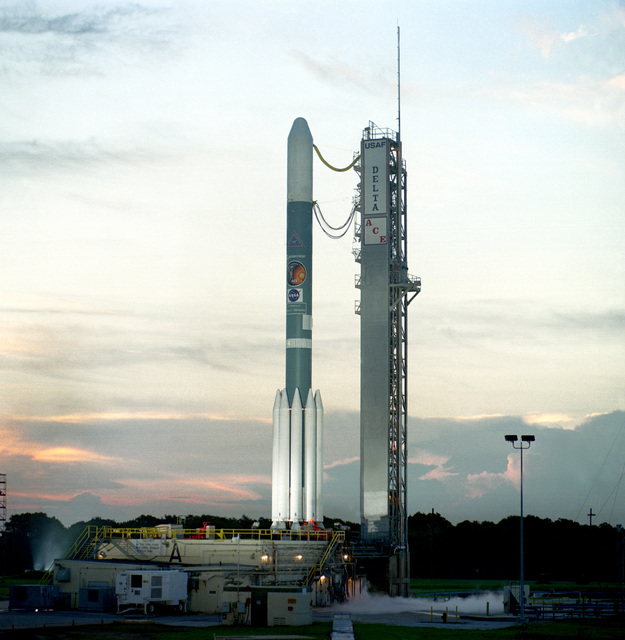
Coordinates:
299 260
295 487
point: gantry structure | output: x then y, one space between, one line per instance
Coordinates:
386 290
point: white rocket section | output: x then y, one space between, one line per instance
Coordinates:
310 459
296 457
299 160
319 458
275 473
297 465
284 464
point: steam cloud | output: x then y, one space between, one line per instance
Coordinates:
366 603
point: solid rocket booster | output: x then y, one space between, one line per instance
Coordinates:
297 414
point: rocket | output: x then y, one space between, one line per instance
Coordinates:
297 472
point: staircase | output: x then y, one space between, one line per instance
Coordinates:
83 548
317 569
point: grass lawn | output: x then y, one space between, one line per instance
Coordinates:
418 586
32 577
153 631
606 629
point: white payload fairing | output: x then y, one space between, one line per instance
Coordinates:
297 465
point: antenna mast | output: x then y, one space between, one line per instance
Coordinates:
398 88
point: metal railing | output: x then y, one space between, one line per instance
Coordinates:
316 569
213 534
85 544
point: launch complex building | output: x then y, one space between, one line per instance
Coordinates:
275 576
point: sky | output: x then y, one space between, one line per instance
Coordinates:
142 253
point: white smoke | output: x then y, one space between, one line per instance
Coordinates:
46 550
363 603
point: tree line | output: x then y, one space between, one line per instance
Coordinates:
554 549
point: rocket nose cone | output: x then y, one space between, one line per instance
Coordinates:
299 163
300 129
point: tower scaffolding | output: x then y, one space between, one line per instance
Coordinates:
386 291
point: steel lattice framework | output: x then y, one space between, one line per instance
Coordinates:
386 308
402 289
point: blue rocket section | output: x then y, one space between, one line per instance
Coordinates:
299 299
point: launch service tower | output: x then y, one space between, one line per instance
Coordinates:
386 289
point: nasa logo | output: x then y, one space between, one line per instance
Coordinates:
294 295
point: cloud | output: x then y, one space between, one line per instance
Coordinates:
64 455
476 418
589 61
37 39
481 321
27 21
565 472
581 32
340 463
341 74
439 462
13 445
49 156
479 484
230 487
542 36
115 416
589 101
81 347
617 82
560 420
186 466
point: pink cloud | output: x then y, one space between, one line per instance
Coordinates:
617 82
196 489
440 471
69 454
113 416
340 463
478 484
11 445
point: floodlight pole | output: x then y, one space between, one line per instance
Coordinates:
525 440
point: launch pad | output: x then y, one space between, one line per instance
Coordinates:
224 571
297 553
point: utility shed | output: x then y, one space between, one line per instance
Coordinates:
267 606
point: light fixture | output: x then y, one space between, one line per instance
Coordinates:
526 443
